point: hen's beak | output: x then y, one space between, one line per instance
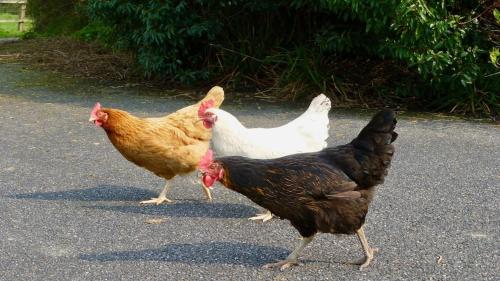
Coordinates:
92 118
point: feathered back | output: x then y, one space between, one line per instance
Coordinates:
187 118
373 149
379 132
214 97
314 124
321 103
216 94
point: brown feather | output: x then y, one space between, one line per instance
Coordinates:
166 146
346 195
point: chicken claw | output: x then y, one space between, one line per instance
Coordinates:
283 265
369 252
264 217
161 198
157 201
291 260
364 262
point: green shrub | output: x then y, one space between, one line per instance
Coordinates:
293 45
96 31
169 37
447 49
57 17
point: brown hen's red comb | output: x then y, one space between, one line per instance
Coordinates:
204 106
93 113
206 161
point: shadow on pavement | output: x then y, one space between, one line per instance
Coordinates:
235 253
98 193
191 209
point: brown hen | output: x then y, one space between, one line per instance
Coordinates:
167 146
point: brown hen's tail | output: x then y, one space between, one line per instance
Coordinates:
374 148
216 94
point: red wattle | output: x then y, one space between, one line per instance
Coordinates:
207 124
208 181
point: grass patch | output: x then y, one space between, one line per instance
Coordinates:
10 29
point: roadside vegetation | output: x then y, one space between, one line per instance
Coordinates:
10 29
421 55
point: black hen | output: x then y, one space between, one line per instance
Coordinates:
326 191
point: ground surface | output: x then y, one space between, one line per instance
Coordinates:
69 201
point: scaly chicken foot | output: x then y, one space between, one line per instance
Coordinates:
158 200
283 265
292 259
369 252
161 198
365 261
264 217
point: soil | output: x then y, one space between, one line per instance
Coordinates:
72 58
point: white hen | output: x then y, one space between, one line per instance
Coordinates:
306 133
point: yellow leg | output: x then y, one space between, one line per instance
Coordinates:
292 259
369 252
208 193
161 198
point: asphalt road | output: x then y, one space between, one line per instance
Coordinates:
69 201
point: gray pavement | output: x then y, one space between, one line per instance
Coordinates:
69 201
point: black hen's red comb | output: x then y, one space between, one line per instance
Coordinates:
206 161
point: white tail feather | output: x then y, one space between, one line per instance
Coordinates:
321 103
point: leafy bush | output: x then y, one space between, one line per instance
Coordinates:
436 38
168 37
295 45
446 49
56 17
96 31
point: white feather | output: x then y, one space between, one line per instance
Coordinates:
306 133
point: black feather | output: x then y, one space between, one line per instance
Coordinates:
327 191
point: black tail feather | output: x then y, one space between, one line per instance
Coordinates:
380 131
374 149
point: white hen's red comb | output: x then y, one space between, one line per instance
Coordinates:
204 106
206 161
